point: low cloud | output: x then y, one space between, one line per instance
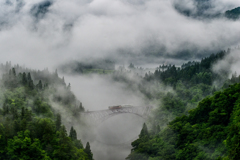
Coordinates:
51 32
229 65
99 92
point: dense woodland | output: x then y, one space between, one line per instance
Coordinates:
30 128
196 115
197 120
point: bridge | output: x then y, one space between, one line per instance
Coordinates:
97 117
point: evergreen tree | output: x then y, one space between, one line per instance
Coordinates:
69 86
73 134
58 122
24 79
31 85
81 108
29 78
30 81
39 85
144 131
88 151
14 72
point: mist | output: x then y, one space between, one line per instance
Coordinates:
49 33
112 138
56 31
230 64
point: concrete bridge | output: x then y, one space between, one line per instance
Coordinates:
97 117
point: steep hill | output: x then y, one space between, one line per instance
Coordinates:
30 128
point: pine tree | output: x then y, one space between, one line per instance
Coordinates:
31 85
63 81
39 85
30 81
29 78
5 108
88 151
58 122
14 72
144 131
24 79
73 134
69 86
81 108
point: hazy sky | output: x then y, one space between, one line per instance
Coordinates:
40 37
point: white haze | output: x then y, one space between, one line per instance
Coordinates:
230 64
98 92
78 29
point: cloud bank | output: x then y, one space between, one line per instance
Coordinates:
47 33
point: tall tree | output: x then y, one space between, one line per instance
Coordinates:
81 108
88 151
14 72
144 131
24 78
40 86
73 134
58 122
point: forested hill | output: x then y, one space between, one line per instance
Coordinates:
194 121
30 128
211 131
191 73
233 14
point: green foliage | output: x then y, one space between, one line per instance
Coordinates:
144 131
197 121
29 126
210 131
23 147
191 73
88 151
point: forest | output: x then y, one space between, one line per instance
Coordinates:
199 120
30 128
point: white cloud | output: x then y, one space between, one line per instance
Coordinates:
101 28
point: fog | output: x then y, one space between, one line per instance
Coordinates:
112 138
49 33
230 64
98 92
52 32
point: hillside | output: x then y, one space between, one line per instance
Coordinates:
195 121
208 132
30 128
233 14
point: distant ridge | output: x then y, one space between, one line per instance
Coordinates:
233 14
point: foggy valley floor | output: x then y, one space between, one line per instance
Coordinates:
112 138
